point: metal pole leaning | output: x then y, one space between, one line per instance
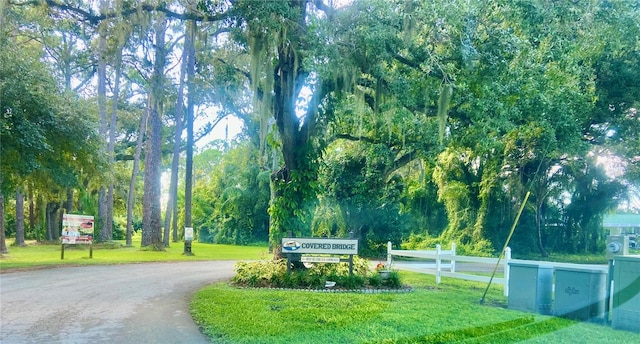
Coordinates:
513 228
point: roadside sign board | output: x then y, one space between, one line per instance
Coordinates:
188 234
320 245
77 229
308 259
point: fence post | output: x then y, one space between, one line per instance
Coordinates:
507 272
438 250
389 254
453 257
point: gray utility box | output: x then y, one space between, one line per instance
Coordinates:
626 293
530 287
581 294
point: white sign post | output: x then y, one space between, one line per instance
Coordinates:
188 238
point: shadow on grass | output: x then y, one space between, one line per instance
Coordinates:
511 331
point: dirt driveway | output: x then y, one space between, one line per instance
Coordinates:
137 303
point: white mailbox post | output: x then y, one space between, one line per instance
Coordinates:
188 238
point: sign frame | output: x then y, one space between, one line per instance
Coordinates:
320 246
316 259
77 229
295 248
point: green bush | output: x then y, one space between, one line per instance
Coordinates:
351 281
393 281
260 273
375 280
274 274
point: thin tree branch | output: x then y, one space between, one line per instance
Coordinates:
93 18
350 137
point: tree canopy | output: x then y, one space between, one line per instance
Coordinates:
394 120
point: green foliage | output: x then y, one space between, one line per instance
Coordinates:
375 280
420 242
231 197
424 117
592 195
274 274
119 228
295 199
260 274
393 281
481 248
356 178
46 135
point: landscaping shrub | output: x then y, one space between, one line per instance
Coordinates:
274 274
260 273
375 280
393 281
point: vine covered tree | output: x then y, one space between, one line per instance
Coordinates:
382 118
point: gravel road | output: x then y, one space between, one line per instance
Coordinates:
136 303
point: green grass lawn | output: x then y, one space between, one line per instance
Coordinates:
446 313
433 313
36 255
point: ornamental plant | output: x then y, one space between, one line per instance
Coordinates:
274 274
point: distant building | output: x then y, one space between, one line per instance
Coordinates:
623 224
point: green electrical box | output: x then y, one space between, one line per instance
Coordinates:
626 293
530 287
580 294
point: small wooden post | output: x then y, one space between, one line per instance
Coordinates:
62 251
350 265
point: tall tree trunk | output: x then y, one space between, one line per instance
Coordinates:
108 223
152 217
103 209
292 182
134 174
41 222
188 180
53 232
174 220
3 242
177 142
541 196
19 219
32 214
68 76
68 205
539 226
107 233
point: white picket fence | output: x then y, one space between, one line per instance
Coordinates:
448 267
440 267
